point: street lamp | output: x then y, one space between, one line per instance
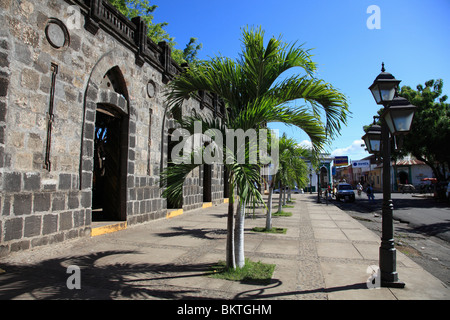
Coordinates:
396 119
310 181
384 87
372 139
399 116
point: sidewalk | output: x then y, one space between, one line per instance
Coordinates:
325 254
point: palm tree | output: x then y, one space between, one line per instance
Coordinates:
255 95
291 172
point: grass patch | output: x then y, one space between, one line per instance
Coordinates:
273 230
251 272
287 206
281 214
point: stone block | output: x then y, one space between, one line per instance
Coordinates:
65 181
32 226
19 246
22 53
58 201
4 60
65 222
6 206
13 229
32 181
73 200
22 204
86 199
41 202
12 181
2 111
4 83
78 218
50 224
30 79
24 161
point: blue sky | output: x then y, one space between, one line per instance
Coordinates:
413 41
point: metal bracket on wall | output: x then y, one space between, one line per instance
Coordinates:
47 162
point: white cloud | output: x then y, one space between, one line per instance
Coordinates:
354 151
306 144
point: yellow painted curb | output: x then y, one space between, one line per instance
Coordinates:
174 213
226 200
108 229
206 205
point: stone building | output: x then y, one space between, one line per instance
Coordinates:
83 124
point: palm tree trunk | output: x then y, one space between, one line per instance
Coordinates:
230 236
269 210
280 199
239 234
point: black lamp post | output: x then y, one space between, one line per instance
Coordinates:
310 181
396 119
372 139
318 186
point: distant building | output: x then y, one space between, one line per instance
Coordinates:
323 176
405 171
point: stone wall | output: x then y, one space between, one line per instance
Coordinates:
59 61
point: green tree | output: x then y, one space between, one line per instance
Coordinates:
291 172
254 95
156 32
430 129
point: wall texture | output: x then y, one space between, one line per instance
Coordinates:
60 63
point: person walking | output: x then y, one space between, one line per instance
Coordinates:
359 187
369 193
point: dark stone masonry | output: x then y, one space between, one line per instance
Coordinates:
83 126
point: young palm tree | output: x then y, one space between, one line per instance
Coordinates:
255 95
291 172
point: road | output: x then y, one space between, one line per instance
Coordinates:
422 228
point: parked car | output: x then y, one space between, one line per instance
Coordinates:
345 191
297 190
294 190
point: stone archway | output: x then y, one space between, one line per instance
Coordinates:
106 108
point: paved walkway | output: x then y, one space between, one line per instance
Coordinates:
325 254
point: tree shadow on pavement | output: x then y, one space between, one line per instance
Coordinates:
48 279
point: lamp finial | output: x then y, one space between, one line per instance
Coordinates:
382 67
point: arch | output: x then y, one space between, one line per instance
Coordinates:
107 101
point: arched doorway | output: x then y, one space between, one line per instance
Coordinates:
105 146
107 197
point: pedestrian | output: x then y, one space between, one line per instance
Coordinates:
369 193
359 187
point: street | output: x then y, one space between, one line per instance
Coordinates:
422 228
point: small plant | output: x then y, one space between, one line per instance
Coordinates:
282 214
251 272
273 230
